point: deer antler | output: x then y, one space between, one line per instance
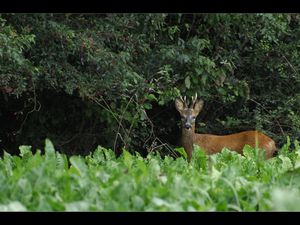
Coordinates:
184 101
194 99
187 102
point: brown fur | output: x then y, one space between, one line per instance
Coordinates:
212 144
235 142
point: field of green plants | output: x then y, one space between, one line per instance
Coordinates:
226 181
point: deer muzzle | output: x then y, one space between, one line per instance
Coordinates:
188 126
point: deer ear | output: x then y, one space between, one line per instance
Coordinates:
198 106
179 104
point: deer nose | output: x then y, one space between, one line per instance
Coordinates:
187 126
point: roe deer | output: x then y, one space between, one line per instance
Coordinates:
215 143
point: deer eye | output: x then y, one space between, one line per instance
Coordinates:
193 117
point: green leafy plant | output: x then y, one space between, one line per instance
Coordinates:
226 181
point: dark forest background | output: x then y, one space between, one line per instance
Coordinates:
111 79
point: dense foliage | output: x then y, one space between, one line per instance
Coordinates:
226 181
111 79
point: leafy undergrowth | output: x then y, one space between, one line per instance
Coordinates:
225 181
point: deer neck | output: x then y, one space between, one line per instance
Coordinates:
187 140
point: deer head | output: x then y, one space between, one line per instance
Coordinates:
188 112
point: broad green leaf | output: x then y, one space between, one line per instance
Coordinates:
61 161
286 163
151 97
49 148
77 206
248 151
215 174
79 165
13 206
199 159
25 151
285 199
187 82
138 202
285 148
147 106
181 151
127 158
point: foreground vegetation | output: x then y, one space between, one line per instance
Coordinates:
226 181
